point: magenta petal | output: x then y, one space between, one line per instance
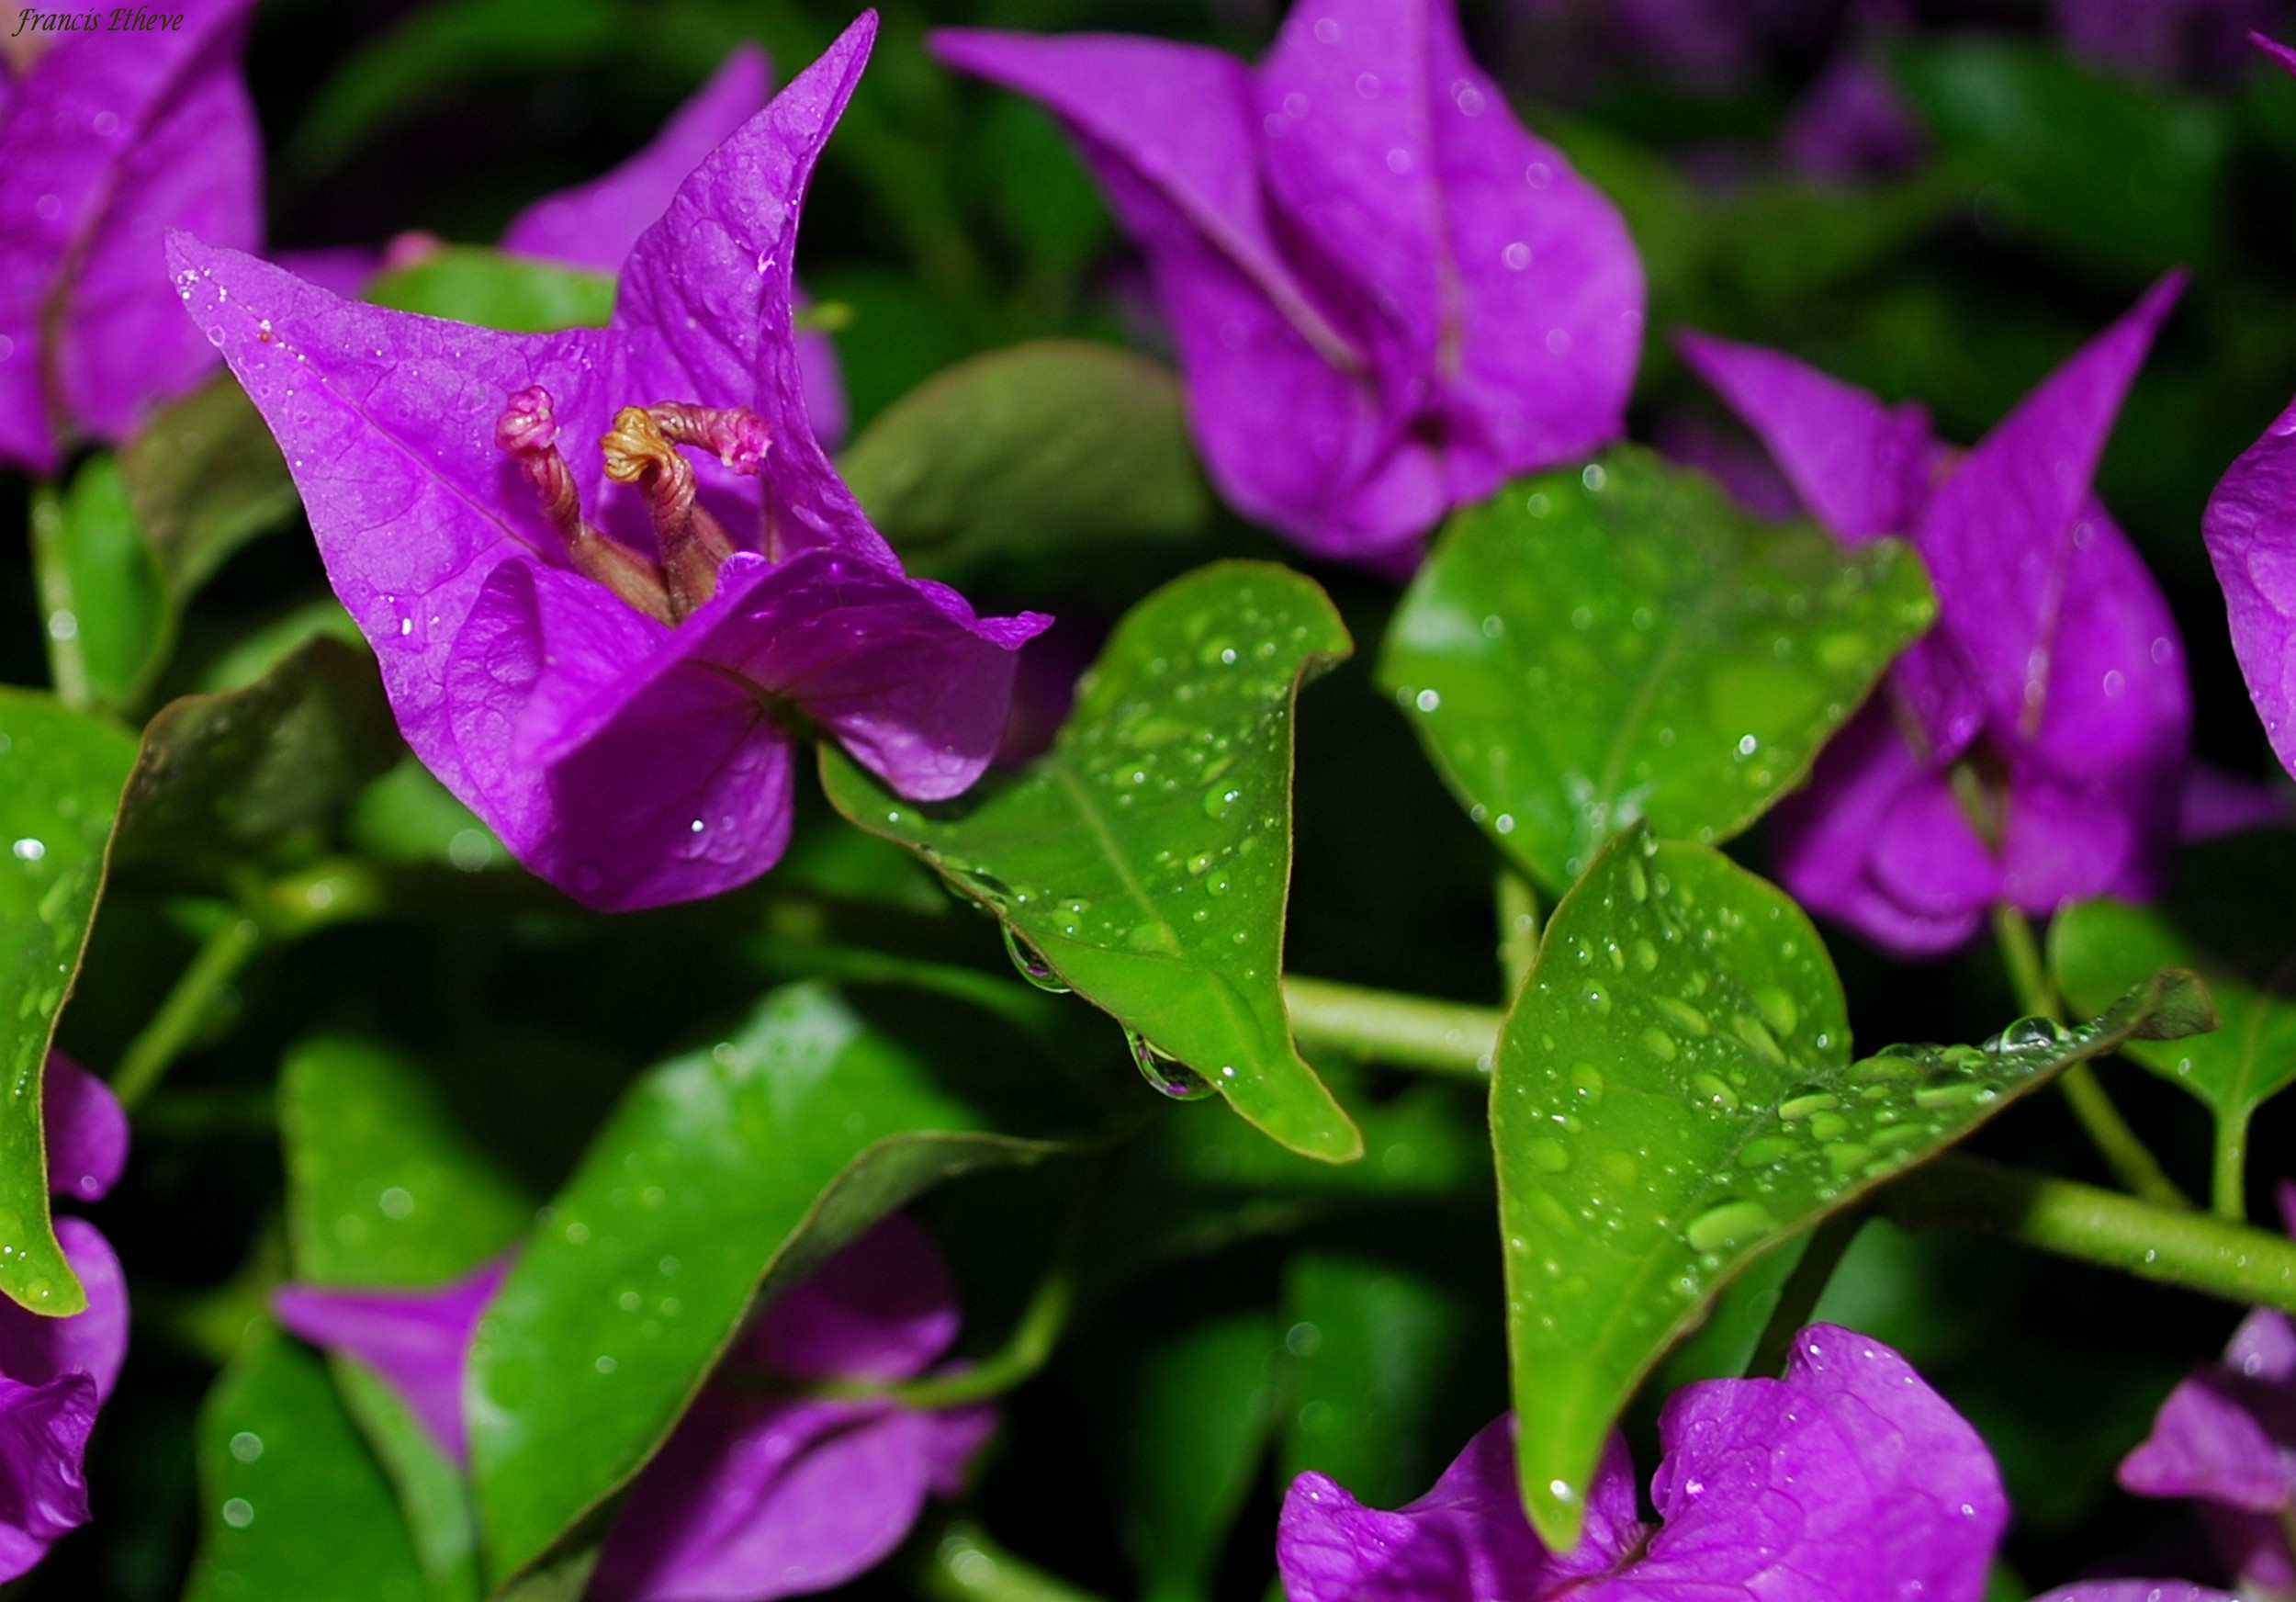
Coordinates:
2207 1442
43 1494
752 1499
594 225
706 297
2216 802
1848 1478
85 1129
2136 1591
418 1342
105 145
2002 531
1465 1538
35 1350
1861 466
2250 529
2276 49
883 1308
2117 693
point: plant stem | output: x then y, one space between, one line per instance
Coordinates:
2176 1246
2228 1176
1411 1031
964 1565
1797 1298
1013 1364
67 667
1518 926
2131 1160
154 1051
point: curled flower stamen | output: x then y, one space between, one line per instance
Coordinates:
641 449
528 431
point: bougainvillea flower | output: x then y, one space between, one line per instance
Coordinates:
1848 1478
606 652
107 142
2227 1438
596 225
55 1373
2169 40
2032 748
2137 1591
1386 296
761 1490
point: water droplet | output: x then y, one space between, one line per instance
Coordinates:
1777 1009
1767 1150
1660 1043
1218 799
1587 1080
1637 882
1756 1036
1804 1104
239 1513
1713 1087
1153 936
1031 964
247 1446
1598 998
1688 1018
1952 1089
1731 1224
1548 1157
1167 1076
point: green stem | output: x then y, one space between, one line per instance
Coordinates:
2131 1160
1797 1298
1518 926
67 667
964 1565
1012 1365
2228 1174
1411 1031
154 1051
2176 1246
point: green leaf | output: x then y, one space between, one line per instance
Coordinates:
2104 172
1674 1096
98 592
292 1506
724 1176
2232 919
1593 649
384 1190
1378 1350
205 477
256 774
1056 443
1179 1408
1145 858
61 774
471 284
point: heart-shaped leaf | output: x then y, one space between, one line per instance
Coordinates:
1673 1096
1144 859
1056 441
723 1175
291 1503
1593 648
61 774
2232 919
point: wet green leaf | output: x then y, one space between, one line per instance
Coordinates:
293 1508
1179 1408
61 774
1591 648
2103 171
1674 1096
256 774
1377 1350
1052 444
99 593
383 1190
721 1177
2232 919
520 294
1145 858
205 477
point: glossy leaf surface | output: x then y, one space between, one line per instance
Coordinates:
1674 1095
1047 443
471 284
255 774
742 1164
1145 858
100 590
2231 918
292 1505
61 774
1595 647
